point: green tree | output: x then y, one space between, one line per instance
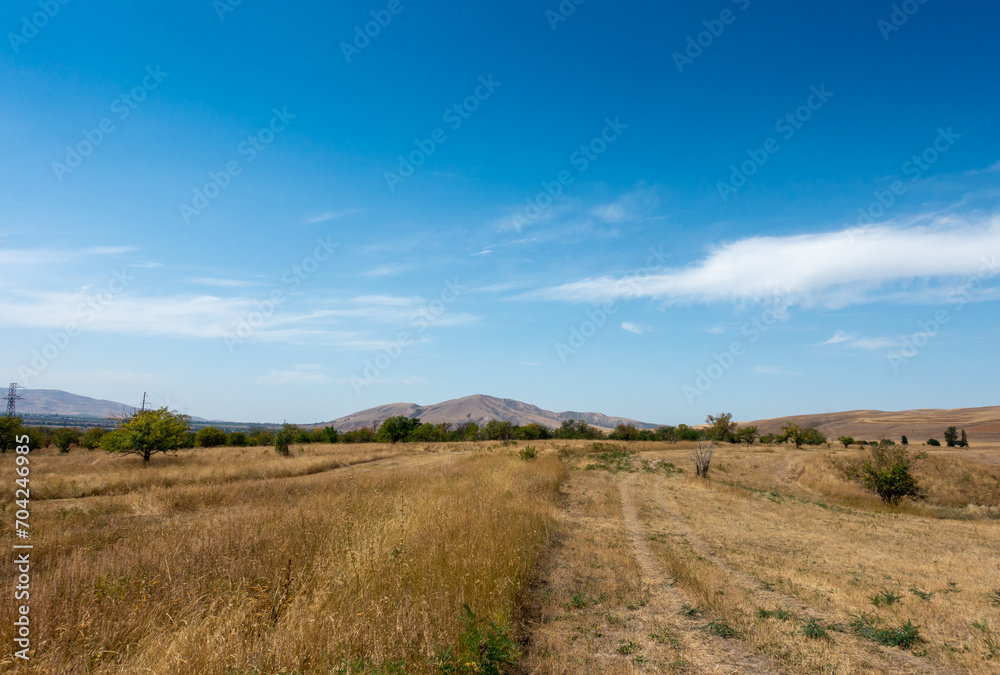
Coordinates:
331 434
812 436
210 437
625 432
791 432
284 438
885 471
237 439
396 429
10 429
934 442
65 438
847 441
904 440
720 427
92 438
146 433
964 443
951 437
499 430
747 435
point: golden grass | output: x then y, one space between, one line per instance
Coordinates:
246 562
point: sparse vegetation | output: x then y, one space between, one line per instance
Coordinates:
702 458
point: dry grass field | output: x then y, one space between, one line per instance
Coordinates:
597 558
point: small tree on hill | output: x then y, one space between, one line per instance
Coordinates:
747 435
720 427
885 471
791 432
146 433
904 440
284 438
933 442
951 437
964 443
846 441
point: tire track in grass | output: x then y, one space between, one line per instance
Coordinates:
707 653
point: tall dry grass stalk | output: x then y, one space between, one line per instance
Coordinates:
270 567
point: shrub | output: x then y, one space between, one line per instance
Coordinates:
64 438
885 471
847 441
484 647
210 437
283 439
702 458
812 629
528 452
904 440
933 441
237 439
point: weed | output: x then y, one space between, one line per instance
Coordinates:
528 452
662 635
483 647
812 629
578 600
884 598
921 594
994 596
780 613
721 628
629 647
981 625
906 635
690 612
612 457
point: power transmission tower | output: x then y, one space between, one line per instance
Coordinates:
12 399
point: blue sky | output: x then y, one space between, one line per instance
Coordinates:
257 212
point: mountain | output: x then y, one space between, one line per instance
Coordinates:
981 424
479 409
56 402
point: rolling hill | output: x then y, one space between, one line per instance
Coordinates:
982 424
57 402
479 409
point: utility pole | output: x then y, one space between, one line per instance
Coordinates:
12 398
143 401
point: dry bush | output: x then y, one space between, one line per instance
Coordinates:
702 456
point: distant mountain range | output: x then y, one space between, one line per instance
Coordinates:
981 424
479 409
57 402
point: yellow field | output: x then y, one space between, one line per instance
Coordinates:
606 558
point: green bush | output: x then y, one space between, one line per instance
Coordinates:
933 441
237 439
92 439
885 471
64 438
529 452
284 438
483 648
210 437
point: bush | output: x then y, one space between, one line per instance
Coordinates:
65 438
92 439
237 439
933 441
847 441
885 471
528 452
209 437
484 647
284 438
702 458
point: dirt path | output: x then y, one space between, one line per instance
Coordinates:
882 659
706 652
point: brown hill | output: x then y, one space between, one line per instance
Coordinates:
981 424
479 409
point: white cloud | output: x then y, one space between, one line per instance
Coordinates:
628 206
716 330
415 380
485 251
833 269
330 215
634 328
855 341
301 375
224 283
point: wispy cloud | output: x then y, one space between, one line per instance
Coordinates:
855 341
833 269
330 215
308 374
634 328
631 205
224 283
